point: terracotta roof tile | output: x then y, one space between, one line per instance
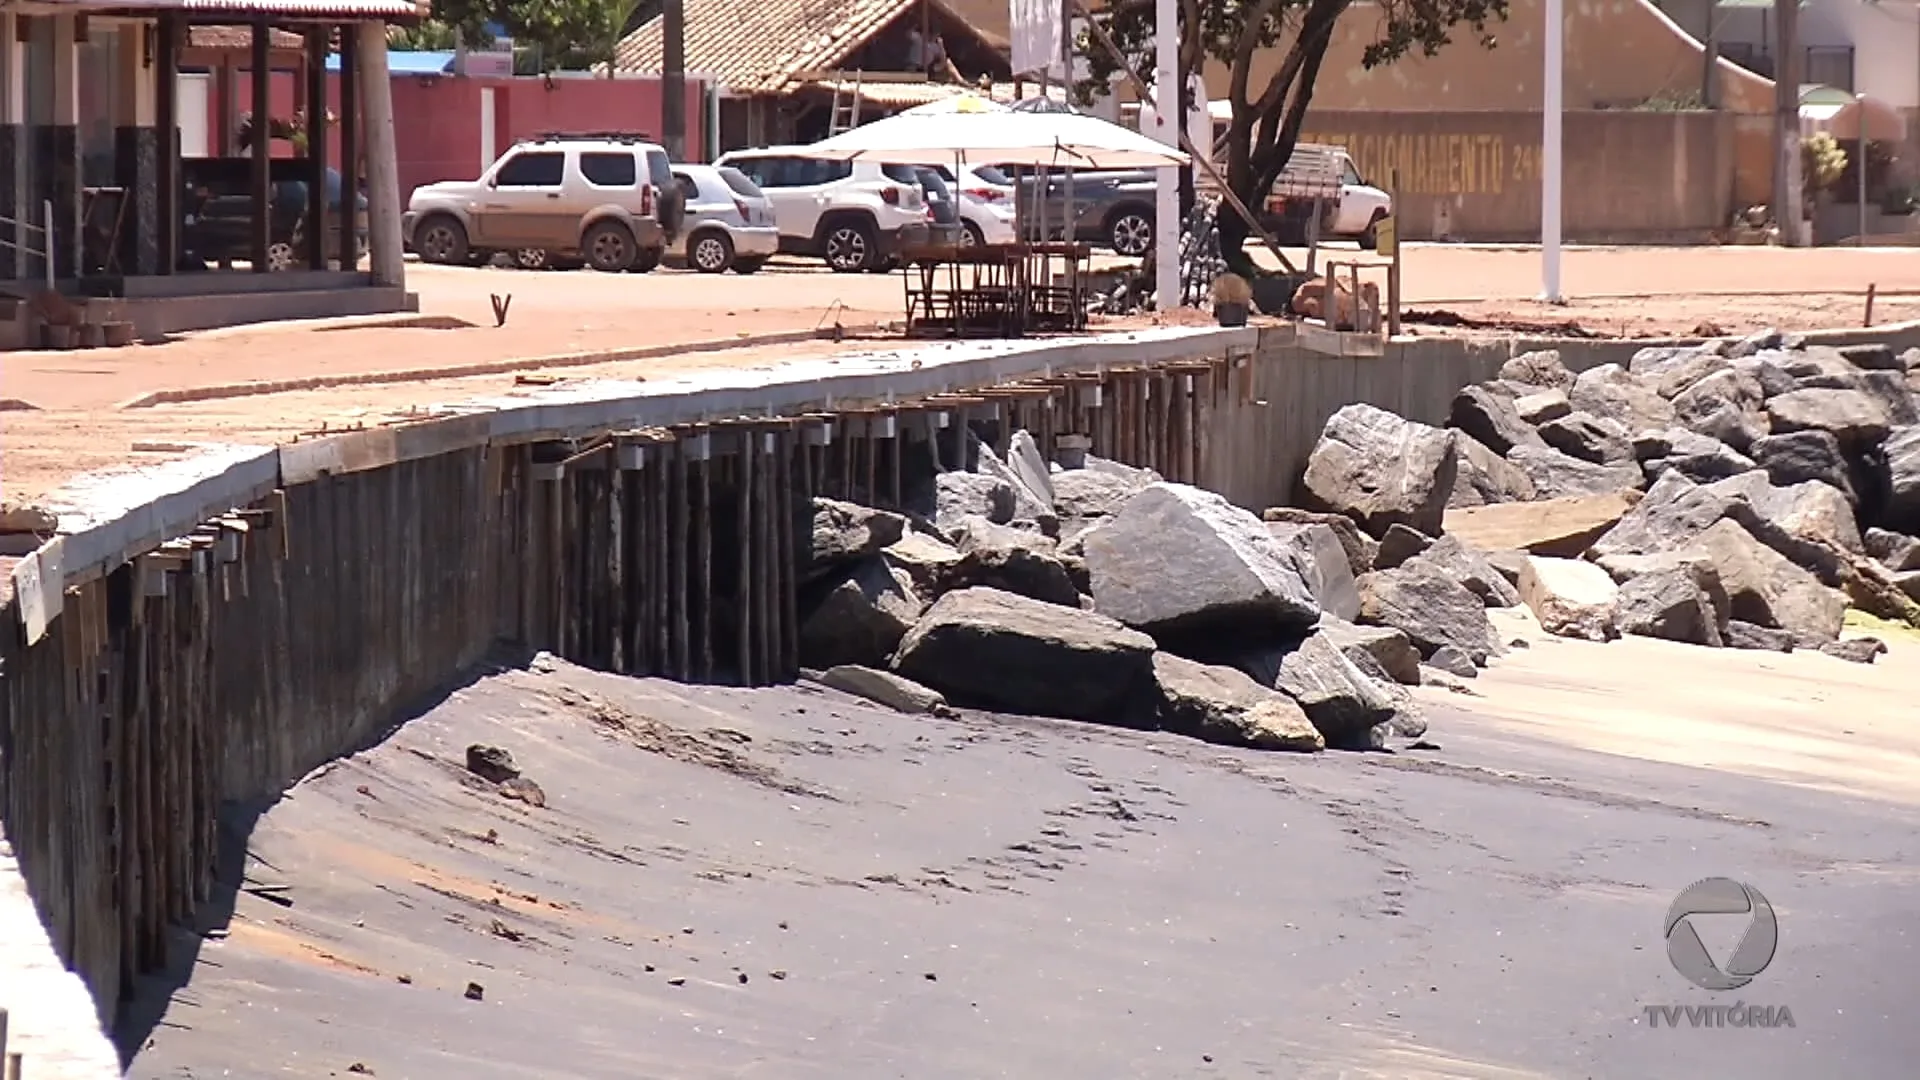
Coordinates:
759 47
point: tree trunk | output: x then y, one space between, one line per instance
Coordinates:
1233 238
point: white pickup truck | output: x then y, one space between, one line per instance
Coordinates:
1350 208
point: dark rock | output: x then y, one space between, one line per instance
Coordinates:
1809 512
1860 650
1483 478
1609 391
1507 563
1223 705
1800 456
1908 582
1430 608
1322 564
491 763
1177 559
1337 697
1360 548
1489 415
1872 357
995 650
1702 468
1380 651
1556 475
1674 604
1895 551
1850 416
1468 567
1084 495
523 790
1381 469
1687 371
1901 481
1728 405
1013 560
1890 391
1589 438
884 687
844 533
1453 662
1765 369
1765 589
1674 511
1539 408
928 562
860 618
1745 635
1759 341
1398 545
1542 369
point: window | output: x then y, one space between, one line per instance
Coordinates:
532 168
1829 65
765 171
823 172
659 169
901 174
609 169
1350 175
741 184
688 186
990 175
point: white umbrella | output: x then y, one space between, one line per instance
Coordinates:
959 103
1040 140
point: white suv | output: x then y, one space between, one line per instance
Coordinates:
855 215
609 200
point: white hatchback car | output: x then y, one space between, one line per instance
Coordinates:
986 202
729 221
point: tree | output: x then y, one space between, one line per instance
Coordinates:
1267 118
564 34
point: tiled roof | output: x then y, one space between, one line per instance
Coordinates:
892 95
759 47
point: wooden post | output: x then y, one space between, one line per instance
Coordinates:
1871 288
703 561
317 209
744 597
787 558
1393 268
166 196
260 75
350 128
678 533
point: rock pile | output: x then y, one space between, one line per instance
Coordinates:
1102 593
1738 493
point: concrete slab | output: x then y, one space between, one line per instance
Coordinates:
51 1021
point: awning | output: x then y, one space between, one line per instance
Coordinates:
1849 119
283 9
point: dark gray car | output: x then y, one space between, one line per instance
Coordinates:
1113 208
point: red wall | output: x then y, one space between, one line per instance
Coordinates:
436 119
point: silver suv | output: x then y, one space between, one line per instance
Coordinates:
609 200
855 215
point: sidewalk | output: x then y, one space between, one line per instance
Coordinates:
51 1021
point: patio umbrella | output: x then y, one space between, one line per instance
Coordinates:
1042 140
959 103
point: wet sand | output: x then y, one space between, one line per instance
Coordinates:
847 892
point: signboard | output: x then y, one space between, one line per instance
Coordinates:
1386 242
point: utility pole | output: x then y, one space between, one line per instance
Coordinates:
1786 136
1166 109
1551 112
673 78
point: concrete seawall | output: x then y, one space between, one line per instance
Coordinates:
214 630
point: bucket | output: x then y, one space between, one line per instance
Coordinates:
1230 314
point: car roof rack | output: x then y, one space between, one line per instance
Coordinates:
606 136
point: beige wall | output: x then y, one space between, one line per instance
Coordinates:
1476 175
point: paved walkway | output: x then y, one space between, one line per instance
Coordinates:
51 1021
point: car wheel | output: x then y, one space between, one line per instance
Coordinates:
884 266
1370 237
1130 233
441 239
648 258
281 256
531 259
850 248
748 266
710 251
608 246
971 235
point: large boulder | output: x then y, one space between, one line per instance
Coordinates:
1177 559
1799 456
928 561
1030 506
1379 469
1674 603
1697 457
1341 701
1873 356
1014 560
1674 512
1570 598
1322 564
844 533
1589 438
1855 419
1432 609
1400 544
960 495
1901 481
1810 512
1895 551
1224 705
1765 589
1686 371
1455 559
1766 368
1891 393
1483 478
1728 405
1361 549
860 618
1087 495
1542 406
994 650
1563 527
1555 475
1489 415
1610 391
1543 369
1378 650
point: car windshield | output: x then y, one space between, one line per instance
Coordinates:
740 183
991 175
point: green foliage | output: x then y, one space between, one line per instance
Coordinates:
1822 162
1267 117
559 34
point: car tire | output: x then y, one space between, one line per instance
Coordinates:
532 259
710 251
648 258
971 236
1130 233
441 239
1370 236
850 247
748 266
608 246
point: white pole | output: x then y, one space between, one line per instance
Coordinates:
1550 116
1166 112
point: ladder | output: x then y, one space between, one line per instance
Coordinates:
846 109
